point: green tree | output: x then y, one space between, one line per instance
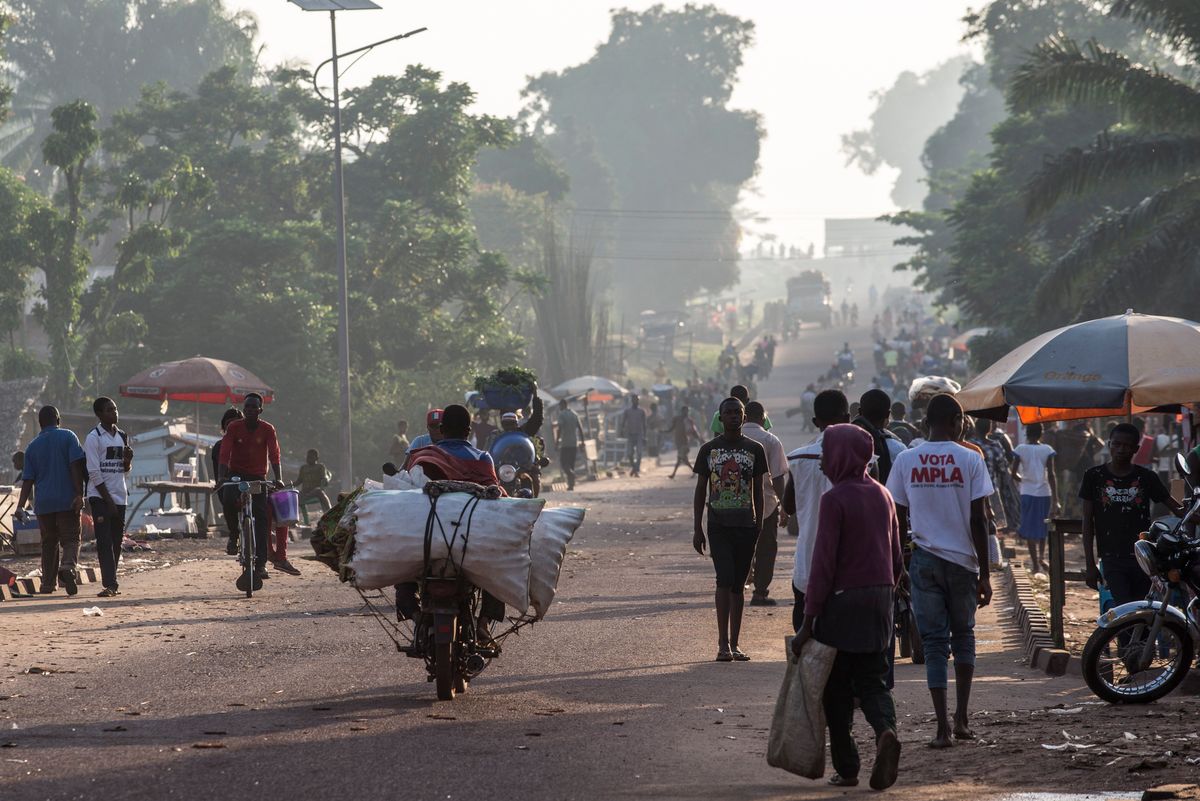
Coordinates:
977 247
104 51
653 103
56 235
905 116
1154 152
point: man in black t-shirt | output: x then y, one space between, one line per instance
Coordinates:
729 481
1116 499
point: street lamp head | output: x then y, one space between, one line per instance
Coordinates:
335 5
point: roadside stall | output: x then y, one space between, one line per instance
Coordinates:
196 380
1112 367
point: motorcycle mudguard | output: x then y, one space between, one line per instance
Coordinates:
445 627
1144 610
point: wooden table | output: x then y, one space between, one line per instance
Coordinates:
184 488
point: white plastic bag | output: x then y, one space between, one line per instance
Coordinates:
390 540
406 479
797 740
553 530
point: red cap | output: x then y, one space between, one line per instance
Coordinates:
434 417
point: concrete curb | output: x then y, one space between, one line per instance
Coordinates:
1040 651
25 588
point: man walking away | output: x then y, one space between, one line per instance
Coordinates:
1116 499
54 467
568 435
729 480
1033 470
633 428
899 426
940 488
108 460
768 537
248 447
806 484
874 413
856 566
683 432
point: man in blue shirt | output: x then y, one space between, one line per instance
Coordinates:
433 424
54 464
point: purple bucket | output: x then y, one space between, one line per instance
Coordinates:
285 507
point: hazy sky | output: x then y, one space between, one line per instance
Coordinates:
810 73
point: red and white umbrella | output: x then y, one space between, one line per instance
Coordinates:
198 380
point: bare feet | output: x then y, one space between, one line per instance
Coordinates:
962 731
942 740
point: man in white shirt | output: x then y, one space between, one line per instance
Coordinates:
767 549
940 489
108 460
806 484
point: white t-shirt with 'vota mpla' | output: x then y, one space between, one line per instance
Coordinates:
937 481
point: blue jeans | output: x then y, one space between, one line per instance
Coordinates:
633 449
943 603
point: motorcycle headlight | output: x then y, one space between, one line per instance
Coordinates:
1147 559
507 473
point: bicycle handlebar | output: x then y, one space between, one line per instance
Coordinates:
254 487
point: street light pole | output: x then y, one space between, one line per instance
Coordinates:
339 194
343 332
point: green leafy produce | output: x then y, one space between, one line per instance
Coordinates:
506 378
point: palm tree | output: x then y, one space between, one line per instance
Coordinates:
1154 149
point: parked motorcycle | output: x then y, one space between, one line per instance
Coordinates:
1141 651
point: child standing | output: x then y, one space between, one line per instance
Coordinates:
1033 470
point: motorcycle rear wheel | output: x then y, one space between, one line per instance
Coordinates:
445 672
1107 667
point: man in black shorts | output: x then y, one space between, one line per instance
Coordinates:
729 480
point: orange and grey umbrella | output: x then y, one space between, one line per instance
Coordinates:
198 380
1120 365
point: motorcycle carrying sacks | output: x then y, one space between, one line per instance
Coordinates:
487 540
510 547
797 739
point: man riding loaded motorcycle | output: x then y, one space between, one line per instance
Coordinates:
510 448
452 458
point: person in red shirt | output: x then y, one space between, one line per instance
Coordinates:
249 446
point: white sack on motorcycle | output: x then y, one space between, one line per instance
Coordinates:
553 530
389 539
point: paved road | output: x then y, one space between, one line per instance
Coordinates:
184 690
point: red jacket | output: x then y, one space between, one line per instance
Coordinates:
246 452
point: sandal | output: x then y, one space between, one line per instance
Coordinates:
739 655
107 592
842 781
724 655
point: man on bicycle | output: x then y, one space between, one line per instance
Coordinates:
249 445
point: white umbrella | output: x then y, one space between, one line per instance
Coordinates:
587 383
963 340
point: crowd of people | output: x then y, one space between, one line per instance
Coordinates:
885 509
63 481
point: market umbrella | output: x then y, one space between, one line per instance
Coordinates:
963 340
1120 365
198 380
596 387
